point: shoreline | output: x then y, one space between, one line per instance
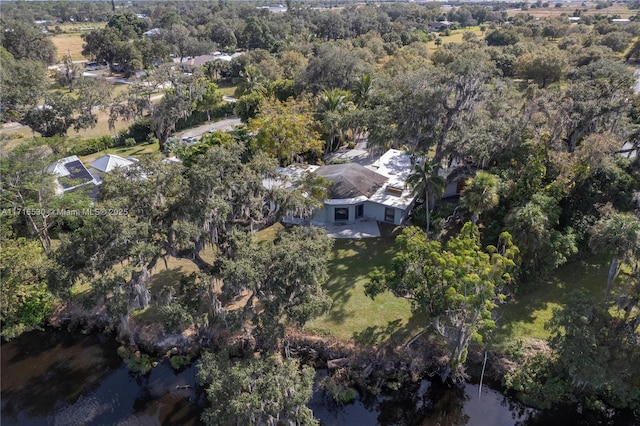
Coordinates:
366 367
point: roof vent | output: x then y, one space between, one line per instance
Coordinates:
393 190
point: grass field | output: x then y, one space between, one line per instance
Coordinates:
69 38
547 12
69 43
354 315
227 89
455 36
145 150
526 317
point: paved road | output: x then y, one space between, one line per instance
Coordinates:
222 125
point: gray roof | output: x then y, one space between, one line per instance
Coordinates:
351 180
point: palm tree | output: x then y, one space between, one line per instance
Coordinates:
480 194
362 90
330 106
334 100
424 180
250 81
617 234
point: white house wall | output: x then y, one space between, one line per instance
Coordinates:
326 214
374 209
450 190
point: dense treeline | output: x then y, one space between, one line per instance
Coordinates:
537 118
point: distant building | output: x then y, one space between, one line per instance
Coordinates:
274 9
153 32
438 26
203 59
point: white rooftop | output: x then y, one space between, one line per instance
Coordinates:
58 168
287 176
394 164
108 162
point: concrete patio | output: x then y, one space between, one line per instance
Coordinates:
366 228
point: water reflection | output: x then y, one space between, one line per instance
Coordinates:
71 379
423 404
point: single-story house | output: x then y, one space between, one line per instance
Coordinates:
438 25
72 175
204 59
377 191
107 163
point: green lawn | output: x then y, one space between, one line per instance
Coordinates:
226 88
455 36
149 150
354 315
526 316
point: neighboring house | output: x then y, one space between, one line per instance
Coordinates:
377 191
153 32
72 175
621 21
108 162
199 60
438 26
203 59
455 177
274 9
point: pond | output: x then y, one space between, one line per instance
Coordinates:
56 378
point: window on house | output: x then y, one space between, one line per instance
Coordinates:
359 211
389 214
340 213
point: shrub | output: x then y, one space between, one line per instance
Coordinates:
339 393
139 131
139 363
90 146
175 316
178 362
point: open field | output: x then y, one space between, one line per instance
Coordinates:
354 315
144 150
69 43
455 36
548 12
